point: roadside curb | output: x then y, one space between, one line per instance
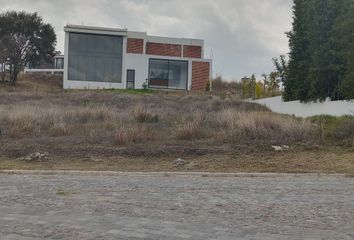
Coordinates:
164 174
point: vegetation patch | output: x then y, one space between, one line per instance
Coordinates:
143 115
337 130
133 91
275 128
140 132
194 129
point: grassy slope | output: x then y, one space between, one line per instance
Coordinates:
148 130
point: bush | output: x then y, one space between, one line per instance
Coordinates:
25 120
335 128
191 129
344 130
56 120
220 85
90 114
142 115
125 135
60 128
238 126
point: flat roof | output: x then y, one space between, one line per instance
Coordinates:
125 32
95 30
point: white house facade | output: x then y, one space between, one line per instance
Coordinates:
109 58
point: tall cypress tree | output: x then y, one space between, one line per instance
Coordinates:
344 35
321 50
323 72
299 53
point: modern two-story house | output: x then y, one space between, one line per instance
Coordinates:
104 58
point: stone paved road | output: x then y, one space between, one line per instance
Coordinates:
160 206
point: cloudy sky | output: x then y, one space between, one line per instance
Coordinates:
242 36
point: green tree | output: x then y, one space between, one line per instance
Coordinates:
274 82
321 50
265 84
252 89
295 85
26 39
281 66
323 69
343 37
3 59
245 82
259 90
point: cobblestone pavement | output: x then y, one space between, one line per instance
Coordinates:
173 206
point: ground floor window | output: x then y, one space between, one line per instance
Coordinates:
96 58
59 63
168 74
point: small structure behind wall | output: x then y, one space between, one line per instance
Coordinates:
56 67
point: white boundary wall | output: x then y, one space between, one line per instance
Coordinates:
334 108
51 71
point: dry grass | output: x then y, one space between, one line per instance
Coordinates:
39 116
125 135
60 128
228 123
192 129
143 115
238 126
339 130
55 120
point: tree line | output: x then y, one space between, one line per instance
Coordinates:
269 86
321 58
24 38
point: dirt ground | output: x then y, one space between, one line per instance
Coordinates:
212 159
294 162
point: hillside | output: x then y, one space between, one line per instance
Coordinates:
149 130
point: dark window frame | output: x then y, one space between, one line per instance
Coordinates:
168 63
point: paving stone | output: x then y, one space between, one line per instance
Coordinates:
149 206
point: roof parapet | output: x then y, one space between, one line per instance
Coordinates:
95 30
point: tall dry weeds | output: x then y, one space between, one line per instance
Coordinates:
239 126
192 129
125 135
57 120
143 115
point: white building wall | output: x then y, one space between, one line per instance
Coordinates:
140 64
66 84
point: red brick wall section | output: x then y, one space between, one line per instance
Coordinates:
161 49
192 51
135 45
200 75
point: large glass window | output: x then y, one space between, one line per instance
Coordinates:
95 58
168 74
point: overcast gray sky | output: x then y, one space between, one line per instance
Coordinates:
243 35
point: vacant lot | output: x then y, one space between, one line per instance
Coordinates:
149 130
